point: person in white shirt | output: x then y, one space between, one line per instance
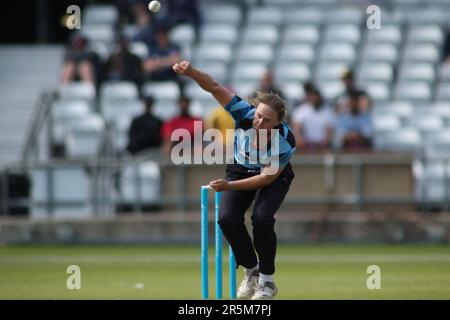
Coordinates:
313 123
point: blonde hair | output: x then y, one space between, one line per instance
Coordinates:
273 100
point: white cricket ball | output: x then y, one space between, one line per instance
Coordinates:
154 6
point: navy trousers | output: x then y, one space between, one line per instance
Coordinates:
233 206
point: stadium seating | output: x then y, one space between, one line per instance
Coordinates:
85 137
100 14
66 189
65 114
399 65
140 184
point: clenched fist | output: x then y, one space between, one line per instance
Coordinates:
220 185
183 68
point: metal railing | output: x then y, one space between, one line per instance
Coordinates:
103 172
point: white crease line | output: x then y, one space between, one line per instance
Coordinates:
196 258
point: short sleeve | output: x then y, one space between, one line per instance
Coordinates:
285 157
331 119
367 126
300 114
238 109
280 160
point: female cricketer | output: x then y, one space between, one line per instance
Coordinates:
256 174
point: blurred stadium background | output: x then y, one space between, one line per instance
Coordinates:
65 178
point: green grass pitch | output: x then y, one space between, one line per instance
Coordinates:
173 272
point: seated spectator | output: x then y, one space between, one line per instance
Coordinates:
313 122
341 102
182 121
354 129
126 8
220 119
308 90
123 64
145 130
446 47
144 22
164 54
267 84
79 62
365 102
184 11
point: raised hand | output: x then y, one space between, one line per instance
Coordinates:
183 68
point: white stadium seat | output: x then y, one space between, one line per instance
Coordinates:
260 34
443 91
119 90
85 138
255 53
71 200
296 53
249 72
330 71
375 72
417 72
100 14
265 15
77 91
384 52
219 52
183 34
312 16
140 183
388 34
301 34
288 72
219 33
338 52
416 92
386 121
161 90
343 33
139 48
347 15
421 53
407 139
231 14
426 34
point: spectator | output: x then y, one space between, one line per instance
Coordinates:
184 11
126 9
267 84
313 122
79 62
308 89
145 130
354 128
145 24
444 67
124 65
341 102
183 121
365 102
446 47
162 56
220 119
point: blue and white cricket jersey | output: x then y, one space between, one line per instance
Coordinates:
245 154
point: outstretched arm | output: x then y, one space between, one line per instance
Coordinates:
266 177
205 81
